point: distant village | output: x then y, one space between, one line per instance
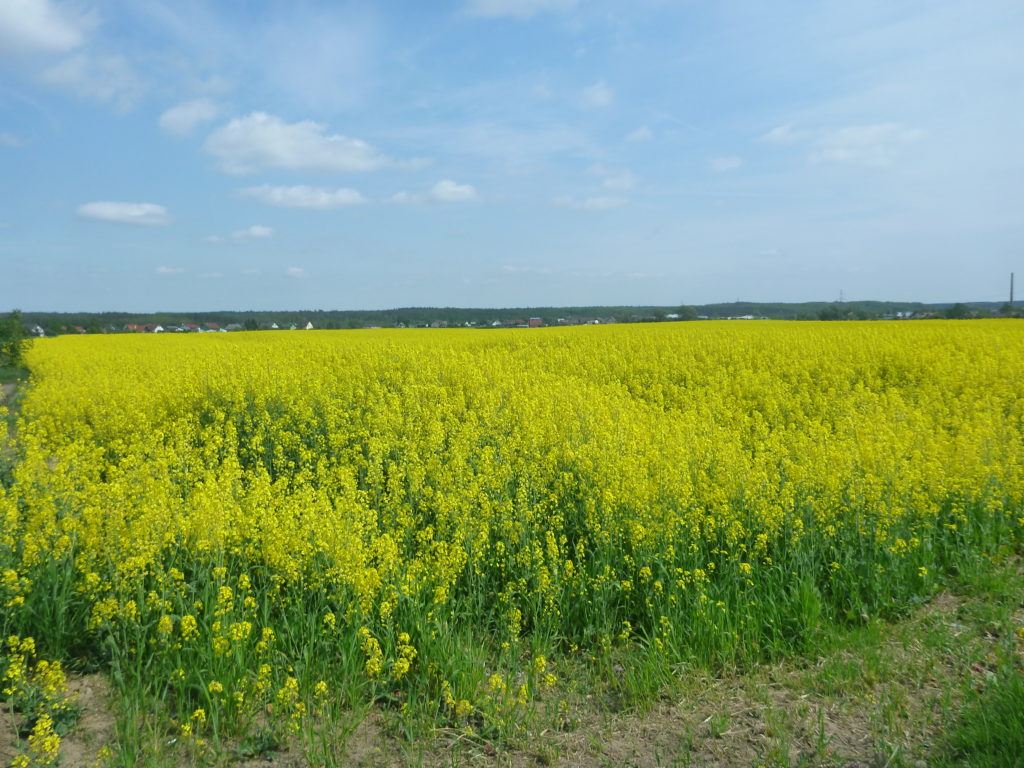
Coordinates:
56 324
529 322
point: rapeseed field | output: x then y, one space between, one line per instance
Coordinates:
259 532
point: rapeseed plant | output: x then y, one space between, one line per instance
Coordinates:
266 525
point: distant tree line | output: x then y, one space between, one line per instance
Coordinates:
54 323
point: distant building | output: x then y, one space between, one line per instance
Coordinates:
309 326
535 322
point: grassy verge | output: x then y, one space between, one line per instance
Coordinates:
941 686
11 379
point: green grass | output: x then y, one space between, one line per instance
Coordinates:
990 730
10 374
942 686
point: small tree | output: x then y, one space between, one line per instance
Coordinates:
14 340
958 312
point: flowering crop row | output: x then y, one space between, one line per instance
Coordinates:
266 525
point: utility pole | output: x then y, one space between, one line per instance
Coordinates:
1011 290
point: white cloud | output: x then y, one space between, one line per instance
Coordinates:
255 232
519 269
619 180
514 146
259 141
184 118
725 164
516 9
295 272
39 26
601 203
869 145
784 134
11 141
598 95
873 145
405 198
105 79
304 197
169 270
142 214
210 275
447 191
643 133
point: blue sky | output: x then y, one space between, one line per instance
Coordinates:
174 154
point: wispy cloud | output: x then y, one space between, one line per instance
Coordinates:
643 133
11 141
726 163
183 119
598 95
304 197
445 191
616 179
40 26
448 191
784 134
169 270
296 272
874 145
141 214
255 232
516 9
600 203
100 78
260 141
